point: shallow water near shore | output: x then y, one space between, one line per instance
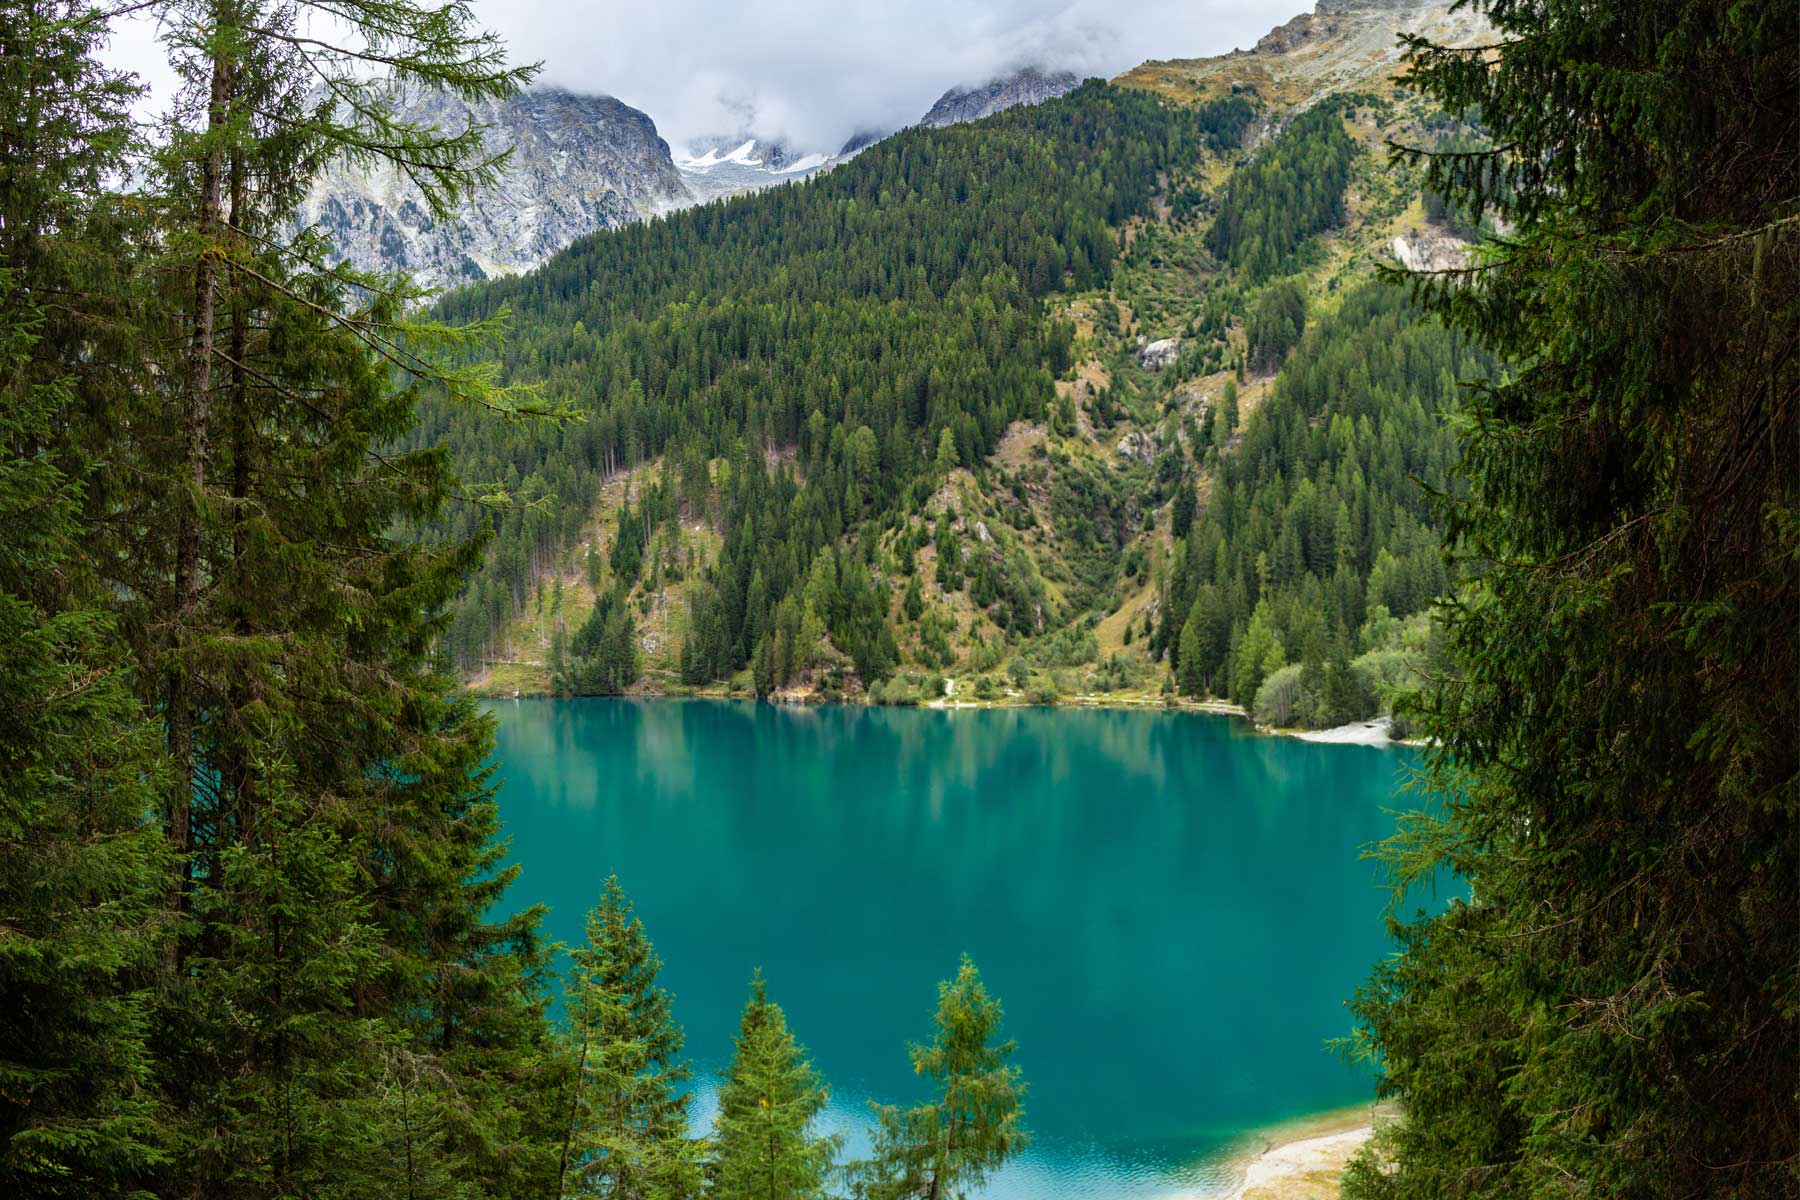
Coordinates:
1172 908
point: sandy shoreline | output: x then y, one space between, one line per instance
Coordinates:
1358 733
1302 1160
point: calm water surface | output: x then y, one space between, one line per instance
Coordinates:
1172 908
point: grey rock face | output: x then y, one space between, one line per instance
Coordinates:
1138 448
861 140
1331 7
1430 252
579 164
1285 39
1156 355
1028 86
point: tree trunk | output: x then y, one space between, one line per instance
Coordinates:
243 693
180 716
562 1170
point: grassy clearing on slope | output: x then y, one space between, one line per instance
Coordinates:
563 596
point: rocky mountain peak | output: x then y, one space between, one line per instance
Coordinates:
1340 7
747 146
1342 45
861 140
1028 85
744 162
579 163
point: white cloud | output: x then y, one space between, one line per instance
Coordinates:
818 70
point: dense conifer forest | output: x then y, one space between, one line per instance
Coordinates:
1614 1008
809 368
884 323
1318 539
1275 204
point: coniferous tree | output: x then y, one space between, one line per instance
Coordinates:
324 802
626 1135
82 867
945 1148
762 668
1190 669
764 1146
1225 419
1613 1010
912 602
603 656
1181 512
1273 325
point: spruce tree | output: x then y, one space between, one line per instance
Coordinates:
1190 661
764 1147
325 803
946 1148
1225 417
82 867
626 1134
1181 511
1613 1009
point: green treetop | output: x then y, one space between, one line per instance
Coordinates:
945 1148
627 1129
764 1146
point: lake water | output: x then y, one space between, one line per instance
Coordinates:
1172 909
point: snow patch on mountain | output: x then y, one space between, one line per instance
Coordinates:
744 162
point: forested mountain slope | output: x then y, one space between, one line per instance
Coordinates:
1007 402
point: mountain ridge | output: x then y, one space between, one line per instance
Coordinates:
579 163
1027 85
1341 45
576 164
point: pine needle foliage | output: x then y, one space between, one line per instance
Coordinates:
627 1129
81 863
1614 1010
946 1148
764 1146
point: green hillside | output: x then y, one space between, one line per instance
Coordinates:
893 424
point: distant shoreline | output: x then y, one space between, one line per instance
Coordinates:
1372 732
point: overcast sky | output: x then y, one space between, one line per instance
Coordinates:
818 70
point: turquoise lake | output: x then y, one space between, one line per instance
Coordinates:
1172 908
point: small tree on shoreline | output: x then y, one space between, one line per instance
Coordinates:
947 1147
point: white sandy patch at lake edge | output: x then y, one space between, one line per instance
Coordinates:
1358 733
1301 1157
